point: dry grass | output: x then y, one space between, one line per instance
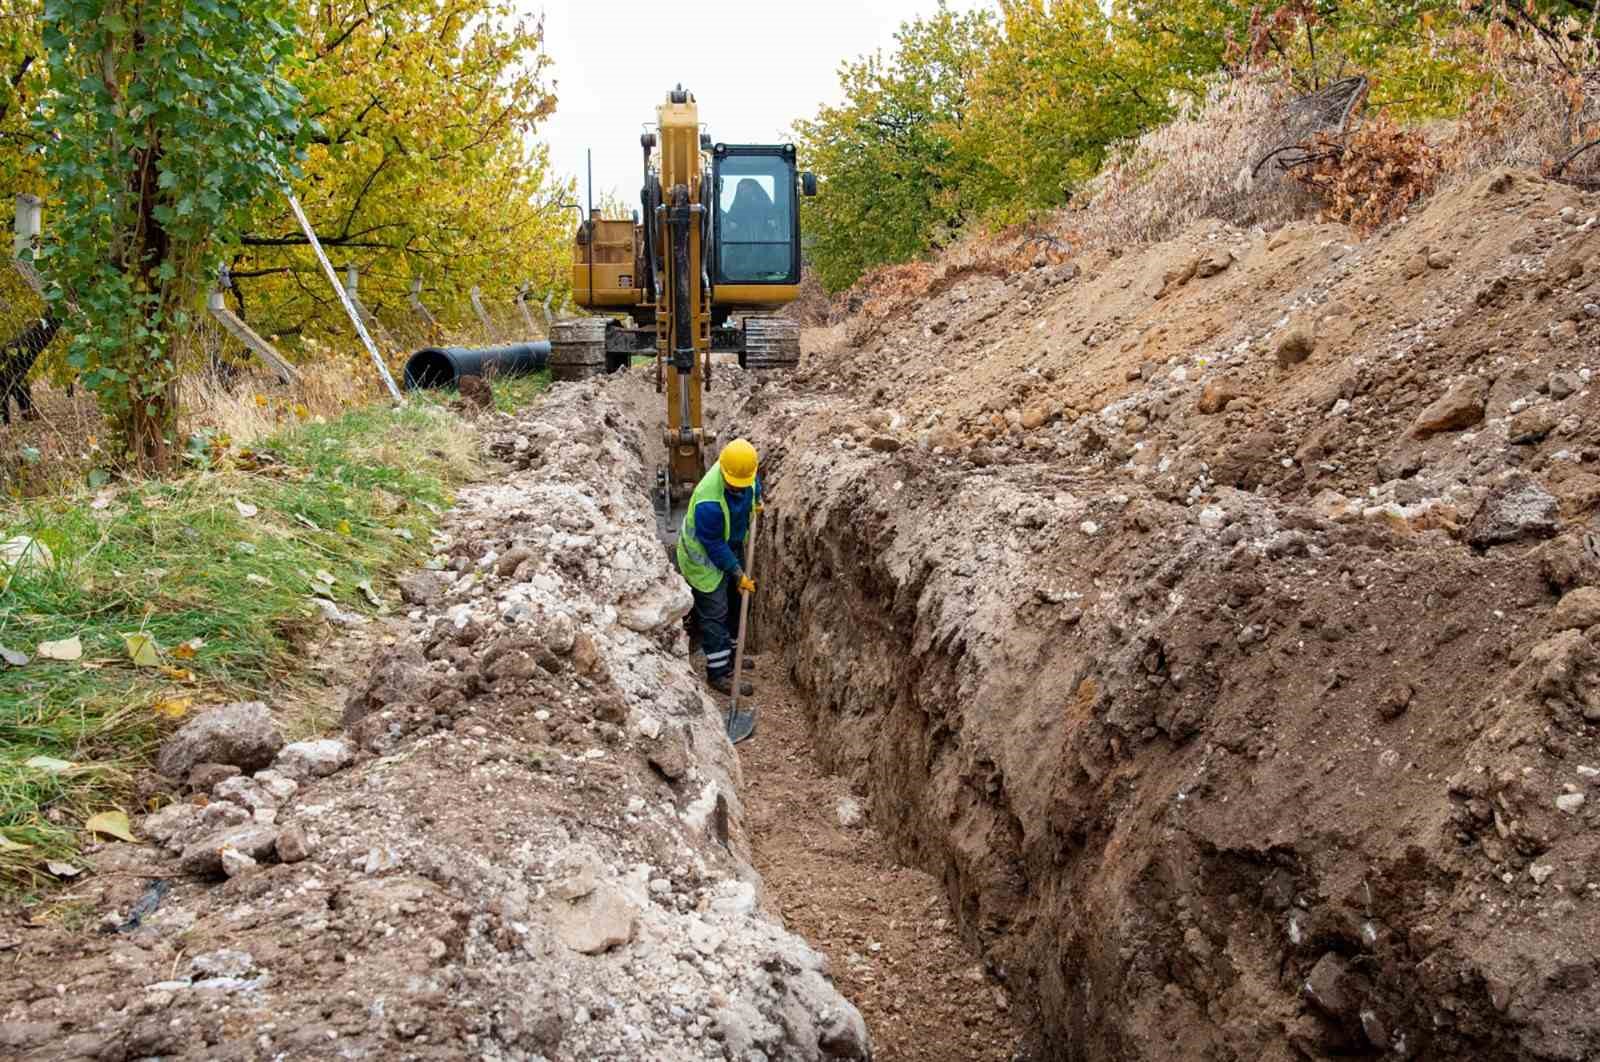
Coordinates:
1540 112
1201 164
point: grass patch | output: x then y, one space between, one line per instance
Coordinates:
219 566
511 393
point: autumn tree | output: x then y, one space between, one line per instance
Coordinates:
164 121
894 180
421 163
22 73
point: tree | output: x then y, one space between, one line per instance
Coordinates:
420 164
21 78
165 121
892 178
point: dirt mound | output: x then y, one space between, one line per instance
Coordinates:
538 851
1192 614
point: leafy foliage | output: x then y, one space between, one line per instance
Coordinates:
1063 97
1370 177
166 119
894 174
21 82
420 166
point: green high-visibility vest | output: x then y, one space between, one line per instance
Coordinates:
693 560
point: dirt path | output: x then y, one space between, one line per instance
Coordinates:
885 928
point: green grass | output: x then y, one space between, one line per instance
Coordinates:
227 597
511 393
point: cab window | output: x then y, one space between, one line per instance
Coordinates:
755 219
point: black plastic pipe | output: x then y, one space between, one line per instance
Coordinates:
445 366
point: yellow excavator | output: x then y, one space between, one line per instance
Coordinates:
701 270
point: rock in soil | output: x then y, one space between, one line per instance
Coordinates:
241 735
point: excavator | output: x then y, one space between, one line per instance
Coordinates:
702 269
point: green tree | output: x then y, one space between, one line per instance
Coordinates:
892 177
166 120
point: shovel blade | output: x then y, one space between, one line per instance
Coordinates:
741 724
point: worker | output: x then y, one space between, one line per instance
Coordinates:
710 545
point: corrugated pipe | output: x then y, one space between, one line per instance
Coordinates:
445 366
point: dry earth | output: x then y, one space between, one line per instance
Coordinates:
1217 621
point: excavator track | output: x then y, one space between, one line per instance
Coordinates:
770 343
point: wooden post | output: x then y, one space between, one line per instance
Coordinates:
430 324
25 240
25 232
235 326
527 315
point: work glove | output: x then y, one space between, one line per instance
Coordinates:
747 585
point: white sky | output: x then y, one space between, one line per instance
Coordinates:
754 66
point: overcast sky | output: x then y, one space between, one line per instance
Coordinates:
754 66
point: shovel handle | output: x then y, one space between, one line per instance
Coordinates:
744 614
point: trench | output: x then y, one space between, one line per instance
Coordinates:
894 945
887 928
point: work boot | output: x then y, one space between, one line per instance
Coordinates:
724 684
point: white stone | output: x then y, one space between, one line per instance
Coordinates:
313 759
235 862
1540 872
848 812
1570 802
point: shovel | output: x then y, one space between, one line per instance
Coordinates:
742 725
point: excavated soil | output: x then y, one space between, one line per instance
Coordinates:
1219 623
886 928
528 842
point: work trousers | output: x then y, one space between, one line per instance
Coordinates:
716 613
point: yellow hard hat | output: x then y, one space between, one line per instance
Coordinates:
738 461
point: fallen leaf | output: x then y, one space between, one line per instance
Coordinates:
261 401
8 845
13 657
48 764
63 870
112 824
187 650
246 510
344 527
65 649
365 586
142 650
178 674
173 707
